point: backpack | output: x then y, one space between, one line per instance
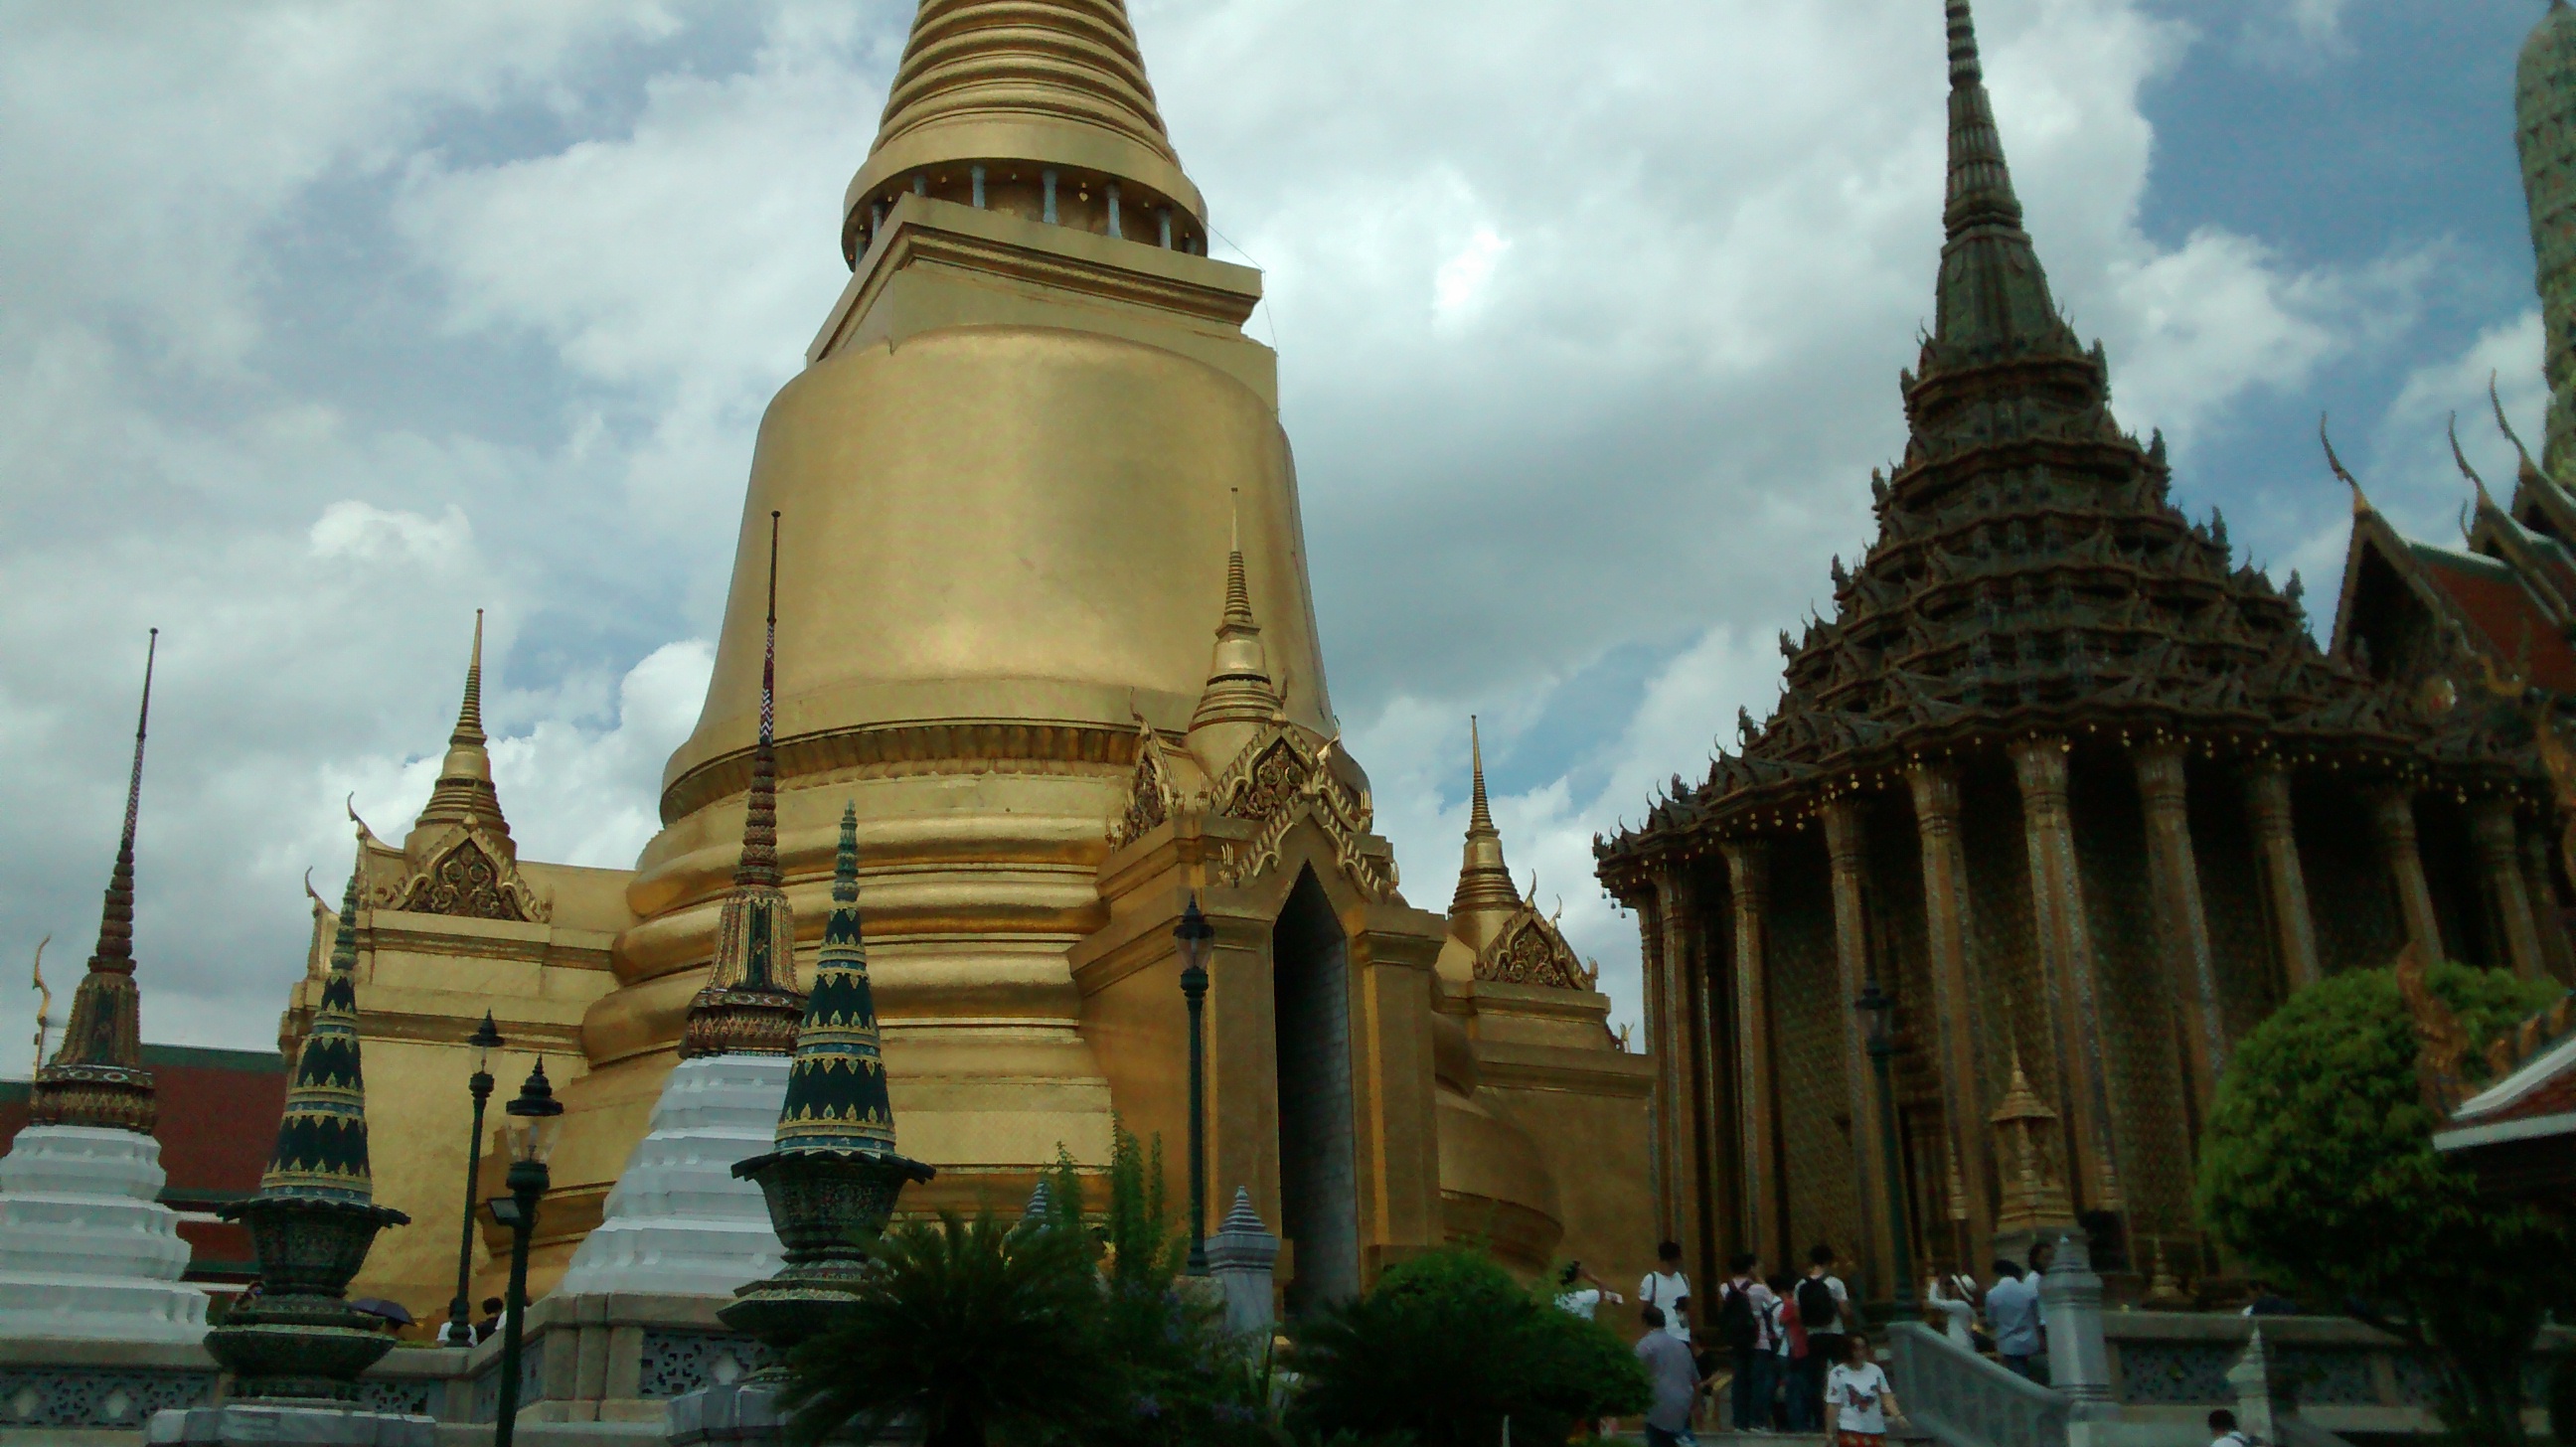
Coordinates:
1735 1324
1816 1306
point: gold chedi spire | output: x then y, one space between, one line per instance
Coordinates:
1240 700
464 794
97 1078
1486 899
1041 96
750 1005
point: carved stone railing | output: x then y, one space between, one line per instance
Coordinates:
1964 1400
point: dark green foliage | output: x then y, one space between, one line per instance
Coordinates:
2317 1168
1446 1347
1044 1332
980 1332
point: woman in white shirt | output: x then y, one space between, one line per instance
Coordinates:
1862 1400
1954 1299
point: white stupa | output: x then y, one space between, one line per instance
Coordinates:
87 1250
679 1222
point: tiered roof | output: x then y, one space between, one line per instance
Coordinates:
2031 573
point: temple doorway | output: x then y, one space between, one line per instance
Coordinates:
1318 1180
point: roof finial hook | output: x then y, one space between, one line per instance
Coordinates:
2360 501
2462 458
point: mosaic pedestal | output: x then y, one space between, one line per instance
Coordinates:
678 1222
87 1251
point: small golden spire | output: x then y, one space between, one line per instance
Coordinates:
1486 899
464 795
1239 688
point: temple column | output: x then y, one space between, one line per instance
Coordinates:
2393 814
2491 836
1846 852
1659 1107
1716 1175
1683 1184
1954 1007
2542 890
2182 929
2065 938
2285 883
1748 864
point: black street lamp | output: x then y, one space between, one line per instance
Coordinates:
1195 936
535 1108
460 1309
1878 1026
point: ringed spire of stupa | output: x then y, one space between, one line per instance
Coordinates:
1486 899
321 1150
1018 87
2545 133
836 1091
750 1004
97 1077
464 795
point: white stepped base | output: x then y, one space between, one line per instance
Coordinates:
678 1222
86 1251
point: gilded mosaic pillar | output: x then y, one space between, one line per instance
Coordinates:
2540 886
2285 883
2182 929
1717 1195
1954 1036
1846 850
1659 1108
2491 836
2065 938
2393 813
1748 867
1676 1121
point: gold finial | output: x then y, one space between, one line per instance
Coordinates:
1486 898
2360 502
469 715
2486 503
44 1002
1239 687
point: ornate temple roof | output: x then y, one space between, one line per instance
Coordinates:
97 1077
836 1090
322 1136
1494 933
2030 572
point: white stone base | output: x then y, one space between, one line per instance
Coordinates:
678 1222
264 1422
87 1251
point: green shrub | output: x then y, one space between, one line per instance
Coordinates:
1445 1348
2317 1168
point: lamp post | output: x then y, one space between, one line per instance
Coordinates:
460 1309
1878 1025
1195 936
535 1108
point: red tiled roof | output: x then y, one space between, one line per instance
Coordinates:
2494 604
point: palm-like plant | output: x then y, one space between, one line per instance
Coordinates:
975 1331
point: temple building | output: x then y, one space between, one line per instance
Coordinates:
2077 790
1031 461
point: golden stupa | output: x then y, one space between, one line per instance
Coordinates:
1043 614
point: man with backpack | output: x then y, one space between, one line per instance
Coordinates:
1823 1306
1667 1289
1743 1327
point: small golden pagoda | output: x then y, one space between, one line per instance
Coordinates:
1032 458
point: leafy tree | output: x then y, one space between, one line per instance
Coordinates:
978 1331
1447 1346
2318 1168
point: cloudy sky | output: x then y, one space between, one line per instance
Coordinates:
323 325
